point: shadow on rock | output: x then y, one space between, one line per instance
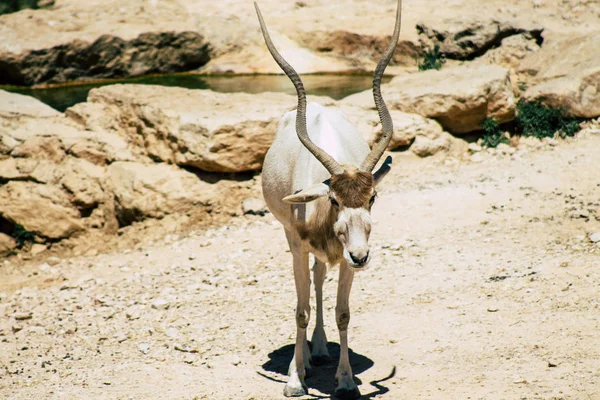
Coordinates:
322 377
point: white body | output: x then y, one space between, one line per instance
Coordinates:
289 168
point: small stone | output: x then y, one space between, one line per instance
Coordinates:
21 316
91 253
172 332
121 337
492 310
16 328
254 206
185 348
551 142
192 256
133 313
189 359
595 237
518 381
53 260
37 249
236 361
583 213
144 348
474 147
160 304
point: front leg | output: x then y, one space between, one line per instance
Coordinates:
300 362
320 354
346 387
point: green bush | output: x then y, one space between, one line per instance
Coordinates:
493 134
539 121
22 235
432 59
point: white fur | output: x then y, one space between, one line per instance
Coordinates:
290 168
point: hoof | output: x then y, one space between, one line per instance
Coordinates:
320 360
295 391
347 394
308 372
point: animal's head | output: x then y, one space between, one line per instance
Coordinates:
350 196
350 190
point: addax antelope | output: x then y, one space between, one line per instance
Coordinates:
318 182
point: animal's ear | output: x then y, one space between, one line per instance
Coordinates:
383 170
308 195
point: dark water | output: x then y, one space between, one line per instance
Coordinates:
335 86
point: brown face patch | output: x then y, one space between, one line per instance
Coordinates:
353 188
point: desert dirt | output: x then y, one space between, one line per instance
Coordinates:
485 286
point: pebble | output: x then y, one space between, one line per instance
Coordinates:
144 348
474 147
160 304
53 260
595 237
37 249
22 316
254 206
172 332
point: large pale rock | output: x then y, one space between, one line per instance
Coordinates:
466 39
13 104
42 209
155 190
202 129
7 245
568 75
409 129
459 98
72 42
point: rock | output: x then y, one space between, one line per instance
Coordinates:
160 304
362 49
511 52
254 206
12 104
22 316
155 190
566 75
7 245
77 45
595 237
37 248
459 98
464 39
41 209
474 148
406 126
425 147
144 348
202 129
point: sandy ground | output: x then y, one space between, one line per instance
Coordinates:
485 287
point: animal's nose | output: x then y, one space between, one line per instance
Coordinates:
359 260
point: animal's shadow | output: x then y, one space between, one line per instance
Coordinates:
323 376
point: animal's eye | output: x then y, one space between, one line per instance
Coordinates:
334 202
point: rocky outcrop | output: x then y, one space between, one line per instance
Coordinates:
201 129
107 57
469 39
358 49
154 190
41 209
459 98
422 136
566 75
